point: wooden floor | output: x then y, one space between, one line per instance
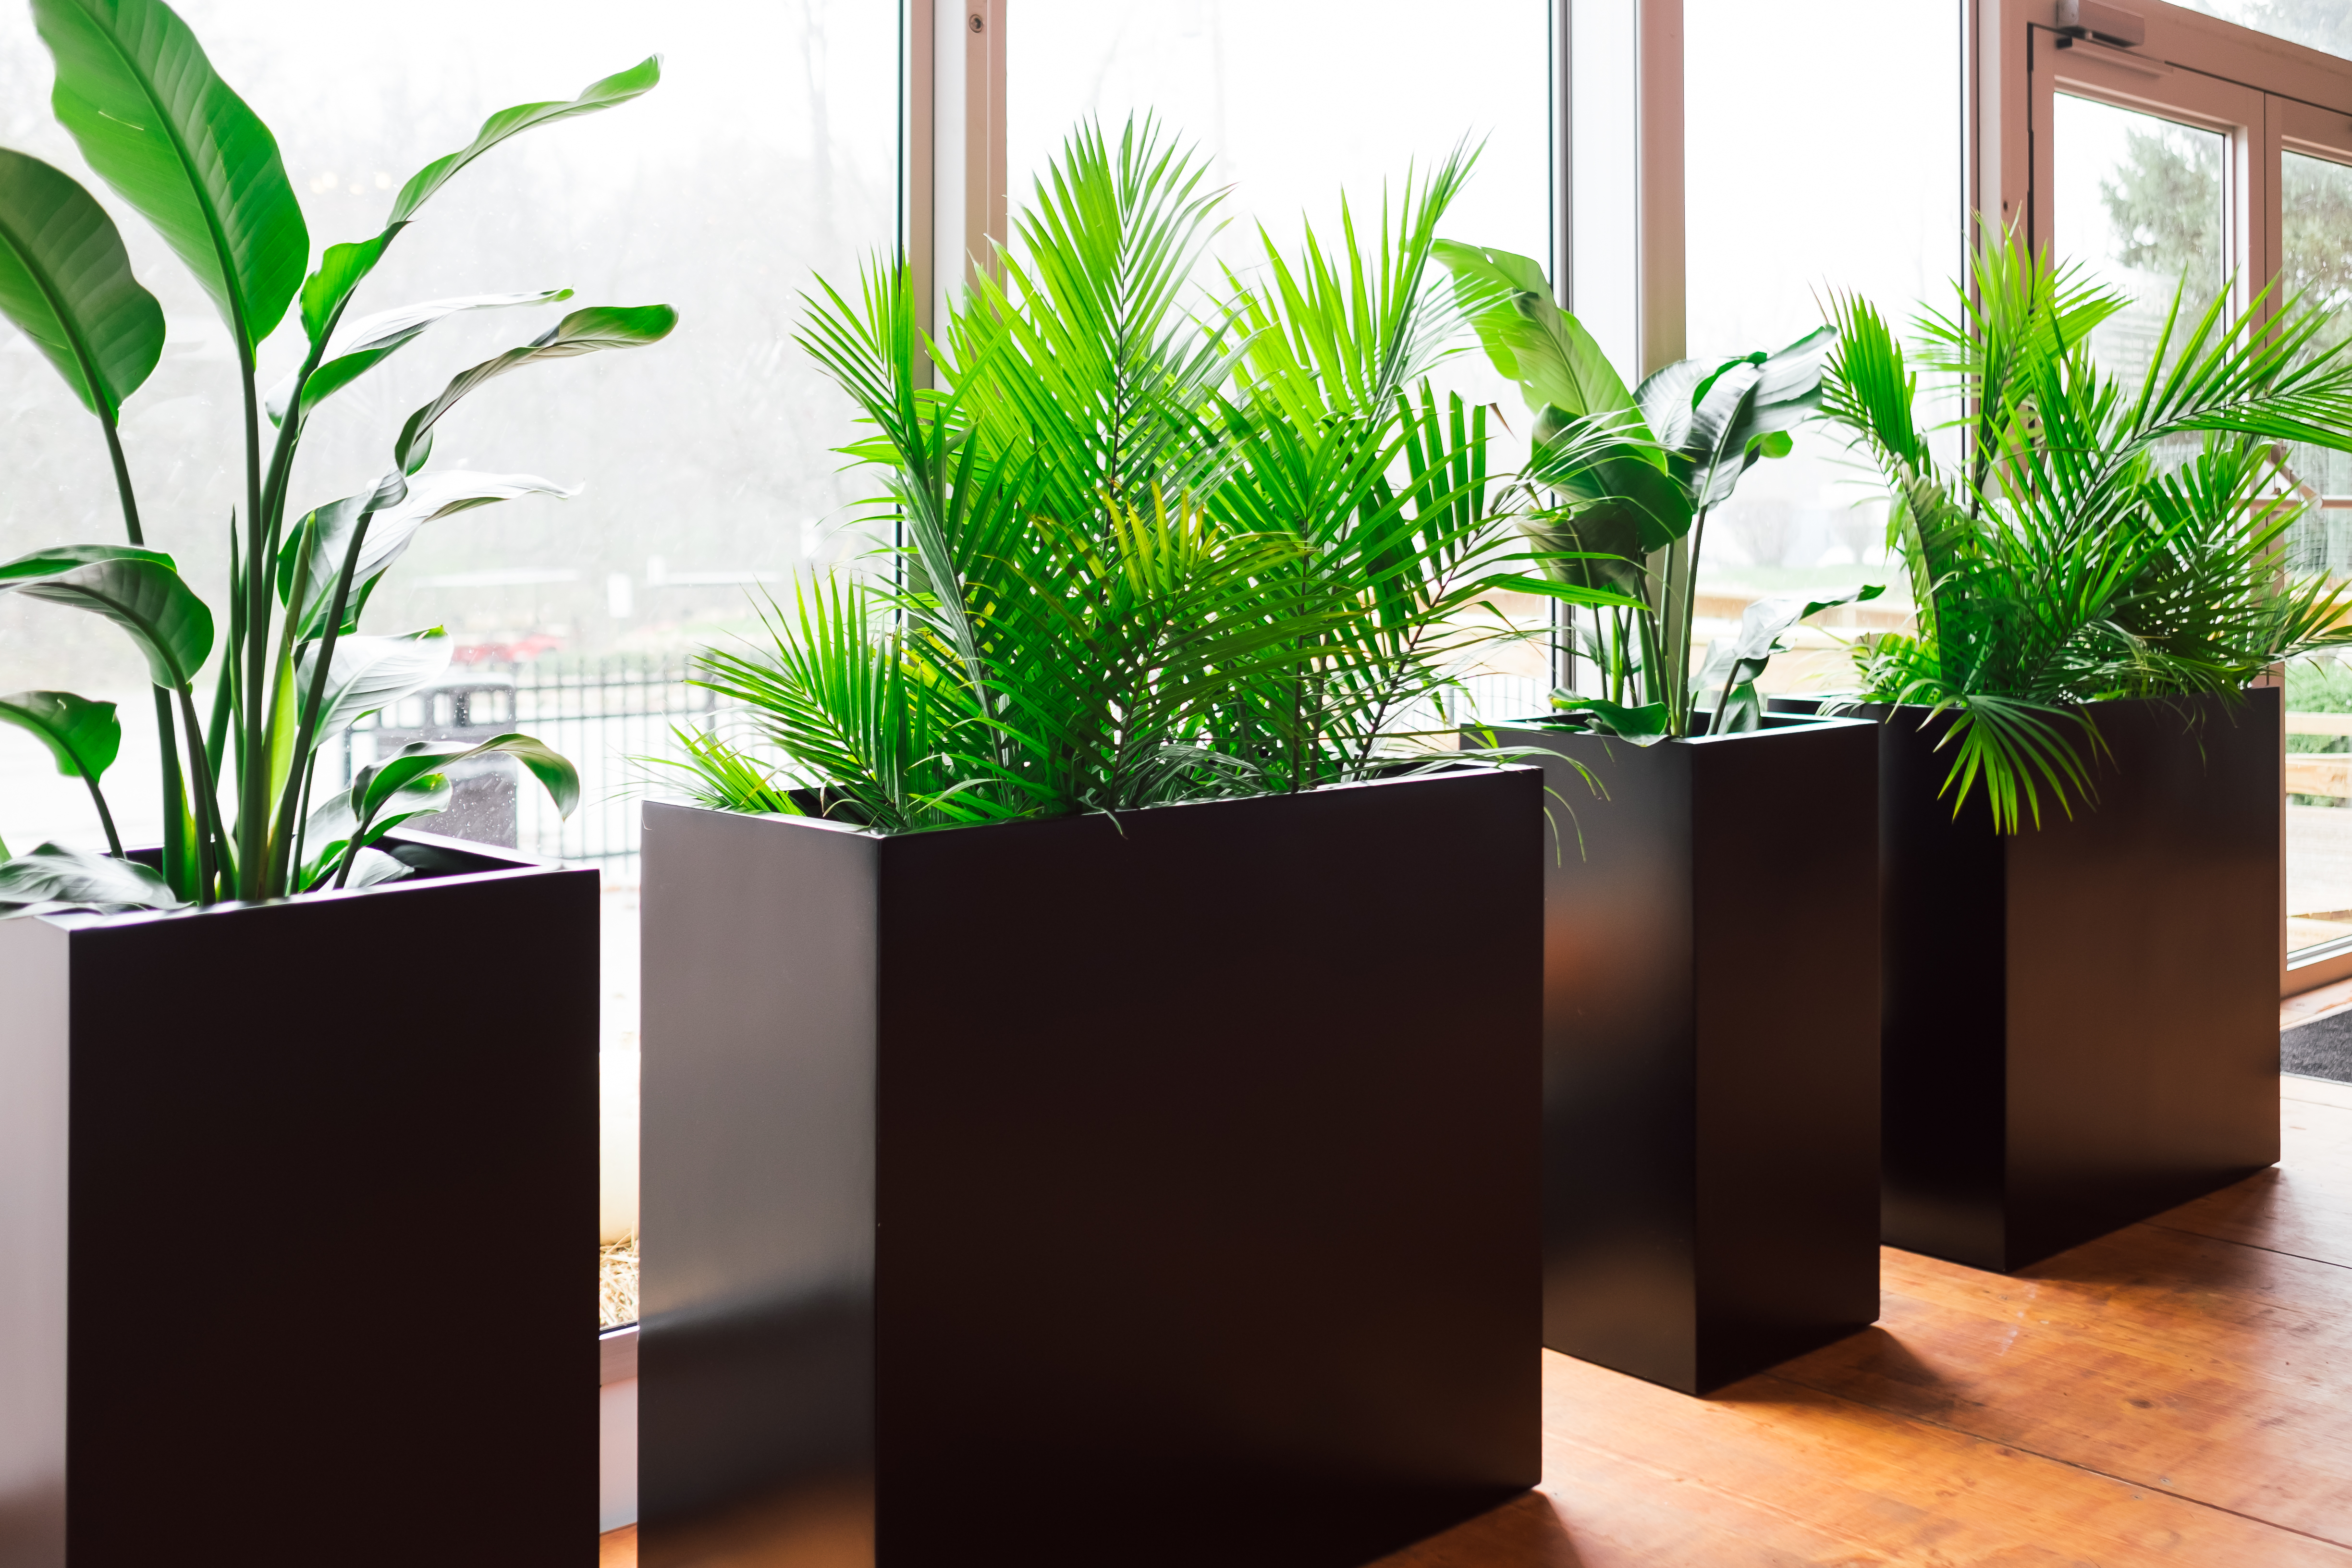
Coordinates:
2179 1393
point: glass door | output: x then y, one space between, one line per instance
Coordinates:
2316 261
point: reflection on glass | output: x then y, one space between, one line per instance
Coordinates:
1856 189
2138 202
2315 24
2317 210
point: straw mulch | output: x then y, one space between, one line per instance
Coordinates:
616 1284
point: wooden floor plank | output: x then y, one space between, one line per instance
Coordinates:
2208 1370
2304 1204
1772 1473
2179 1393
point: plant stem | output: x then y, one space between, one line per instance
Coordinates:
121 478
175 844
280 866
105 817
302 822
207 801
253 792
309 730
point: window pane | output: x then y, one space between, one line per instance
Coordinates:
1293 104
2316 197
2315 24
2138 201
768 151
1794 193
2316 209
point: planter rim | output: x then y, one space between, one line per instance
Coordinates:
1783 725
2178 698
514 864
1451 769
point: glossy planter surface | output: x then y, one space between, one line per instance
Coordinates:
295 1209
1710 1049
2081 1021
1159 1191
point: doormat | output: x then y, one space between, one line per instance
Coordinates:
2321 1048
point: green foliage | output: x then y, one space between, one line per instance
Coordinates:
1156 549
54 880
2093 541
64 280
1631 478
176 144
411 784
82 735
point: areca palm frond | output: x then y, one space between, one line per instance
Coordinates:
2094 540
1155 546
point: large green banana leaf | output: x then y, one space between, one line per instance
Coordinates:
54 880
431 497
1529 337
160 126
374 339
581 332
64 280
82 735
139 590
368 673
343 267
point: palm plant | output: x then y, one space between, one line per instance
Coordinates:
2092 541
161 126
1151 553
1631 478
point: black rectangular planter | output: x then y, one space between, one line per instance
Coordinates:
1710 1049
2080 1021
295 1209
1159 1190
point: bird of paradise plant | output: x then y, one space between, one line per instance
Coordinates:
174 143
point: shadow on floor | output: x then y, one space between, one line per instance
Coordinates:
1525 1532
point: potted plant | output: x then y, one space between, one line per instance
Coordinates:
214 1112
2079 781
1710 1137
1084 1037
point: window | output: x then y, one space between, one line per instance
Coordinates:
769 151
2213 153
1792 195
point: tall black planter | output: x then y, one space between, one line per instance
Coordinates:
295 1210
1710 1049
2081 1020
1160 1191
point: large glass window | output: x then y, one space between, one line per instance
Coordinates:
769 152
1290 106
2137 200
2316 260
1793 194
2316 23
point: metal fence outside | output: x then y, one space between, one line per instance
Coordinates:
614 716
